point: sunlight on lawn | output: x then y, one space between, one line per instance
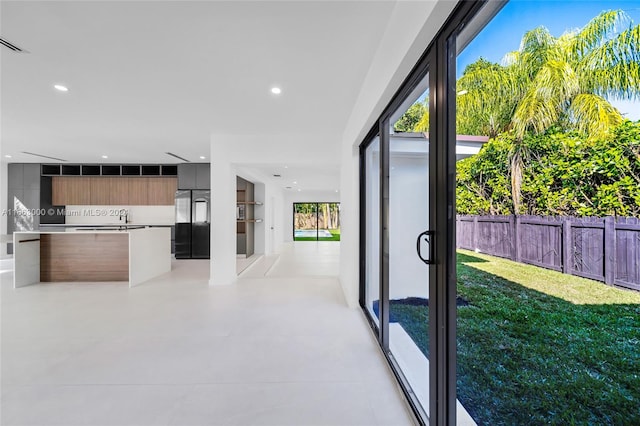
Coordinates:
577 290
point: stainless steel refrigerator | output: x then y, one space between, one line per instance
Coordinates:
193 227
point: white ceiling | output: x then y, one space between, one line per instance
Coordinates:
149 77
308 178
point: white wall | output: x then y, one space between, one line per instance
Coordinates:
292 197
411 28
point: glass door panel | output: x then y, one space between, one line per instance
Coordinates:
371 217
408 220
305 221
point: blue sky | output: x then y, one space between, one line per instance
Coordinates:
503 33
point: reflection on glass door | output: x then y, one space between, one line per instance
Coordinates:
408 219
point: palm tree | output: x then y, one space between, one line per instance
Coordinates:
562 81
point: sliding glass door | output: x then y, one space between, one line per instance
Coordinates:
408 240
397 237
407 229
316 221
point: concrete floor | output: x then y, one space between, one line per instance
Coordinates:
280 349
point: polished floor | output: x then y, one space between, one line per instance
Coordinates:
278 348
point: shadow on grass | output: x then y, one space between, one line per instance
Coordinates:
527 358
461 257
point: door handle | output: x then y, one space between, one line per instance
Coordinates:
428 238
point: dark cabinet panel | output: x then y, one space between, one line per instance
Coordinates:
183 241
15 176
203 176
31 176
186 176
200 236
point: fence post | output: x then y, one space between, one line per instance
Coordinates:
475 233
567 247
609 250
516 238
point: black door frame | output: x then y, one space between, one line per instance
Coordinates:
439 63
317 203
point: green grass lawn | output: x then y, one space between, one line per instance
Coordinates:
335 236
539 347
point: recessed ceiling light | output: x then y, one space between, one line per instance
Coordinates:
337 190
299 189
7 156
202 157
104 156
60 87
276 90
286 167
295 182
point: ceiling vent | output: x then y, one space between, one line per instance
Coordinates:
277 175
43 156
177 156
11 46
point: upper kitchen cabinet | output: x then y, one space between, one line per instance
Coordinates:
203 176
162 191
113 191
15 176
71 191
138 191
118 191
100 191
31 176
186 176
194 176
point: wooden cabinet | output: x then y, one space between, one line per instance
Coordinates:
162 191
100 191
71 191
138 193
118 191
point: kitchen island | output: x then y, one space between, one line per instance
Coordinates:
132 255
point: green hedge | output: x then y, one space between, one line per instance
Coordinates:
565 173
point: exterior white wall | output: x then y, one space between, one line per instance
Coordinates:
302 197
408 217
411 28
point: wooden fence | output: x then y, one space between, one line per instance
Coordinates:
603 249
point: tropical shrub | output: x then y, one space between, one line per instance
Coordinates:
564 173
